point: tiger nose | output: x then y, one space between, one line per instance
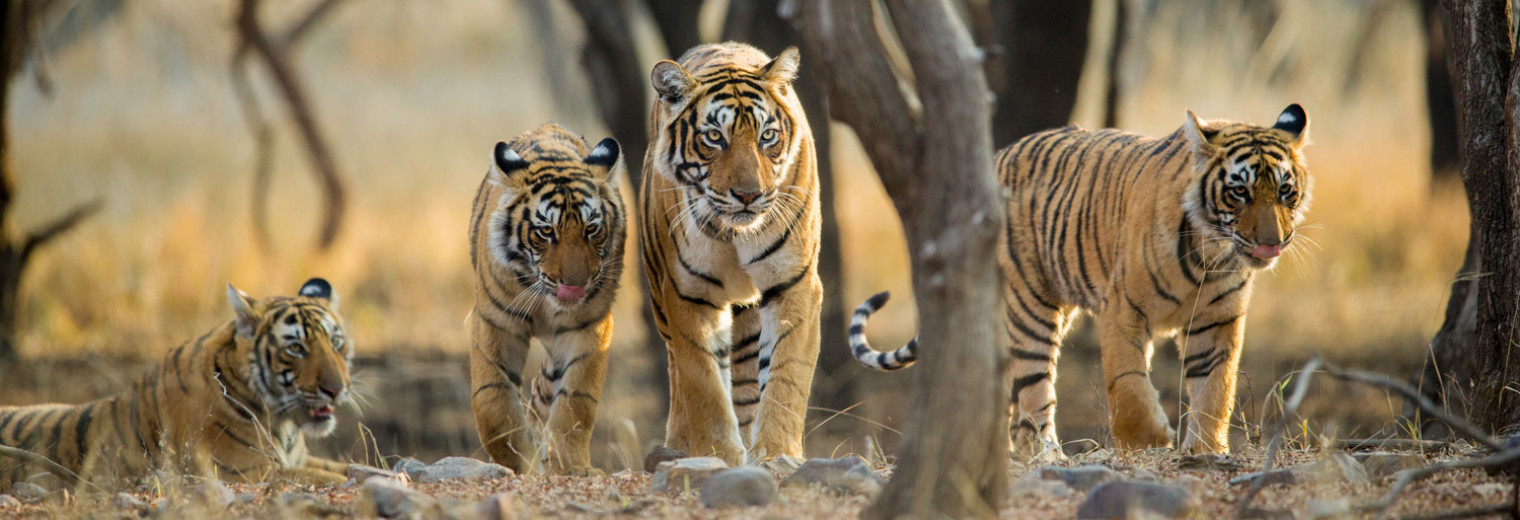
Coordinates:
332 391
745 196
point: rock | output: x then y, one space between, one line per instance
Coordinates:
495 507
845 475
247 498
1145 475
361 473
1031 484
782 465
459 467
1334 468
408 466
1099 454
387 498
1333 508
1209 461
1124 499
675 476
212 493
9 502
305 506
738 487
28 492
661 454
1381 464
1080 478
127 501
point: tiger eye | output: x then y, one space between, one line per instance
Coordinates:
714 136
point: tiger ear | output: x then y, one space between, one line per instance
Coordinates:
242 307
782 71
1199 137
604 156
321 290
506 164
671 81
1295 122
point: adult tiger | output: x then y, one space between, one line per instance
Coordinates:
235 403
730 235
1154 237
546 242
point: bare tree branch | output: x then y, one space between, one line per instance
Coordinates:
69 477
42 235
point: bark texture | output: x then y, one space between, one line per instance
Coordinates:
929 138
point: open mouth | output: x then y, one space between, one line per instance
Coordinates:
322 413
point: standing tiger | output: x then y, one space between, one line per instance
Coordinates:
730 235
235 403
1152 236
546 243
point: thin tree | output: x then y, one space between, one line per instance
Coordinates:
19 20
928 134
1473 362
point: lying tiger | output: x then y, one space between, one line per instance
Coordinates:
1154 237
235 403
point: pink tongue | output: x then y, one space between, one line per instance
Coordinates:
1264 252
570 292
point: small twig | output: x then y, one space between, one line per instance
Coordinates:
1393 444
52 467
1290 407
1413 396
1408 476
41 236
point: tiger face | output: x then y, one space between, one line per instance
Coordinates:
737 137
298 355
560 214
1254 190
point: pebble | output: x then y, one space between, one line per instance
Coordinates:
1134 499
661 454
738 487
459 467
679 475
387 498
1080 478
844 475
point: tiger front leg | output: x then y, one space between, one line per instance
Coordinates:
788 354
702 420
496 362
573 374
1135 416
1210 357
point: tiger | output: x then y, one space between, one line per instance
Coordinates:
236 403
1155 237
546 243
729 232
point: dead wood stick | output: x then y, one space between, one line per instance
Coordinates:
52 467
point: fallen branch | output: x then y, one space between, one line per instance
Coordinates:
1289 408
1392 444
25 456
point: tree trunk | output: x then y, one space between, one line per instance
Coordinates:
759 23
1488 93
1042 46
677 21
1115 64
935 158
1440 105
620 84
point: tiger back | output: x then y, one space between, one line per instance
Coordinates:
1155 237
729 217
236 403
546 242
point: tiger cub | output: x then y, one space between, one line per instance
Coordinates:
546 243
730 236
1155 237
236 403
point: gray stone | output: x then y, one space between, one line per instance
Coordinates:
1145 475
1334 468
247 498
1332 508
661 454
675 476
738 487
28 492
459 467
9 502
496 507
845 475
387 498
1209 461
212 493
1032 484
302 505
1381 464
361 473
127 501
408 465
1125 499
1080 478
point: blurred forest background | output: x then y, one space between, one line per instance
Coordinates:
134 104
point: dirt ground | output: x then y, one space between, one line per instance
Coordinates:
628 494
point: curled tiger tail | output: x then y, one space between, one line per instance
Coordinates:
871 358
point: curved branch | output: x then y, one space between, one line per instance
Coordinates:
52 467
263 143
42 235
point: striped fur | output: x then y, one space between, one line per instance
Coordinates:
235 403
1155 237
546 242
730 236
901 358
